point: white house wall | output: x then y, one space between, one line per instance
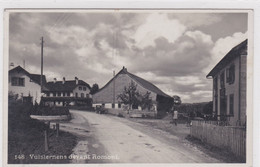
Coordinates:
76 90
29 87
233 89
243 86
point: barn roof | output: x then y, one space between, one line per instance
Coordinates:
34 77
68 86
146 84
238 50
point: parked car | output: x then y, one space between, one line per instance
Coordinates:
100 109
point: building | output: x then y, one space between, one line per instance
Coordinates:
24 85
229 86
107 95
70 92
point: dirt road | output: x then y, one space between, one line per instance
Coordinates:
108 139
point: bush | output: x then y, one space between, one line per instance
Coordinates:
47 110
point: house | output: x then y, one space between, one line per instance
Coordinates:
108 94
229 86
24 85
67 92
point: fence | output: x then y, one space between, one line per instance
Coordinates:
132 113
227 137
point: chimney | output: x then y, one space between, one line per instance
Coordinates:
55 80
11 65
63 81
77 80
125 69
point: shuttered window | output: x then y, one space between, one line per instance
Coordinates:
231 74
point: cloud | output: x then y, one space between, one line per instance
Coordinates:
196 19
188 55
172 51
223 46
158 25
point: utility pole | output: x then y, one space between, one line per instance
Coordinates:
114 91
41 62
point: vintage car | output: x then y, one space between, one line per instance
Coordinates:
100 109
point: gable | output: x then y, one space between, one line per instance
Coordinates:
140 81
33 77
238 50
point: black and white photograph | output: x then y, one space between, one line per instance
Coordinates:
113 86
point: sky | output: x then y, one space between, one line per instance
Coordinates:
174 50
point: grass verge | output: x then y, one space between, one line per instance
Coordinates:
26 139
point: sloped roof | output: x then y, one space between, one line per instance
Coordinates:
238 50
147 85
68 86
35 77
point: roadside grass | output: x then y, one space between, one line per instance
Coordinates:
26 137
182 131
165 124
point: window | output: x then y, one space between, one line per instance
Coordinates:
48 94
231 104
80 88
231 74
82 94
84 88
215 86
15 81
113 105
54 94
222 80
68 93
76 94
87 95
119 105
64 94
227 75
59 94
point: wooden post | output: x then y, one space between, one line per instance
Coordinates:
48 124
46 137
57 129
46 142
42 63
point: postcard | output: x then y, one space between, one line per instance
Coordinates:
156 87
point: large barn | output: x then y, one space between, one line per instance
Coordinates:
107 96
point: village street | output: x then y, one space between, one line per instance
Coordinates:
109 139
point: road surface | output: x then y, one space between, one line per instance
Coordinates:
109 139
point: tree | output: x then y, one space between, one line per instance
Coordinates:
130 95
133 98
94 89
176 100
208 108
146 101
